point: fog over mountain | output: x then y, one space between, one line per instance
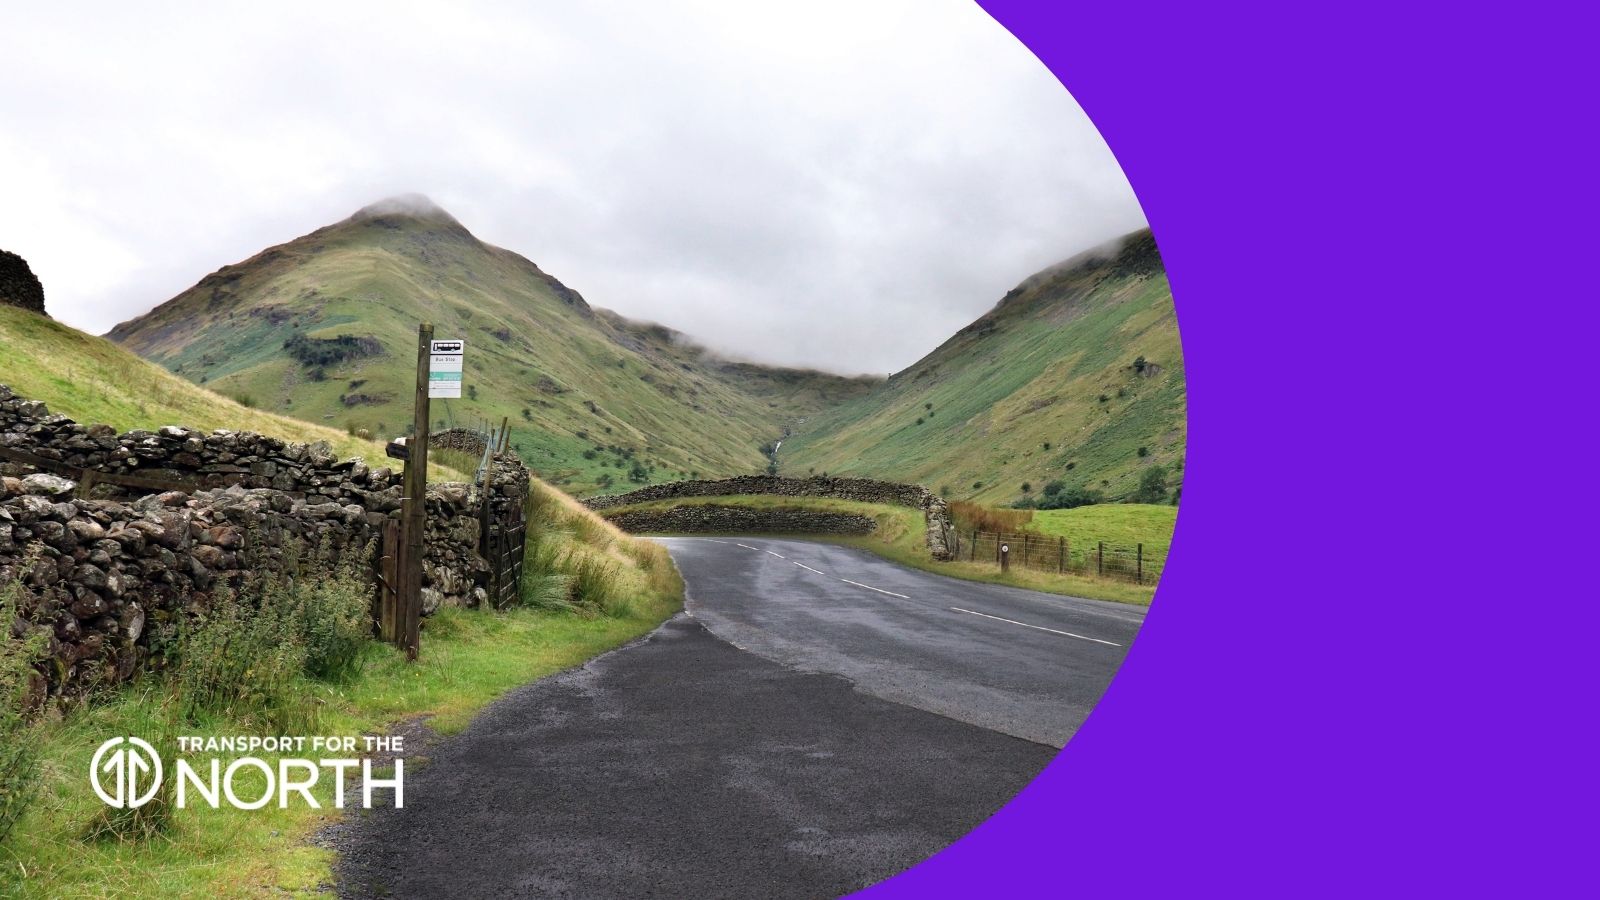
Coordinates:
828 184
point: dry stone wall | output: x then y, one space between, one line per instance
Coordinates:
863 490
98 572
717 519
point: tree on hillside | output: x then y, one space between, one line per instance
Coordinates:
1152 486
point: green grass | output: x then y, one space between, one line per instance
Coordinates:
1016 398
95 381
469 658
1126 524
901 537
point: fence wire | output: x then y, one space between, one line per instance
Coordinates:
1129 562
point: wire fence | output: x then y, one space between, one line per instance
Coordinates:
1129 562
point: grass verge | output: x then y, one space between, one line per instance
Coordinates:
469 657
901 538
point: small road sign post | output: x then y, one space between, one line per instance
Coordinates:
413 517
1005 557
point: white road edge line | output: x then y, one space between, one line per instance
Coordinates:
1026 625
808 568
871 588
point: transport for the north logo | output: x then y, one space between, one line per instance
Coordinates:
127 772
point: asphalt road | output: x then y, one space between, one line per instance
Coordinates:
856 733
1020 662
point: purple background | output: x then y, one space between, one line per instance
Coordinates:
1370 666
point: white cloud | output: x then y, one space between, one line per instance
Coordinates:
836 184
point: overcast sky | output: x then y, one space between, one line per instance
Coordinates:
837 184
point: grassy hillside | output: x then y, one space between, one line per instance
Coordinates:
324 328
1076 375
93 380
1126 524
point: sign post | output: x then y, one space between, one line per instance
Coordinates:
413 517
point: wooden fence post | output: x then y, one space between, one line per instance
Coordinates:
1139 572
1100 559
414 518
1061 557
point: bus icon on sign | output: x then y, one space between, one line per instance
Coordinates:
444 368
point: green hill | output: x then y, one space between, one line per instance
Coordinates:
1077 375
95 381
324 328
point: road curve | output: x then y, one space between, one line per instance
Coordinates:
1019 662
683 765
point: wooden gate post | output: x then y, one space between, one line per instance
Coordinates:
413 520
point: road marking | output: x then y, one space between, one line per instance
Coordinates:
871 588
747 546
808 568
714 540
1026 625
778 555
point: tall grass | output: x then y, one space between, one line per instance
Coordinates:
248 653
968 516
578 562
20 649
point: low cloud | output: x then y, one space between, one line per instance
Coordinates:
822 185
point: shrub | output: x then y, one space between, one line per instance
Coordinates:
248 651
1139 364
1152 486
1072 498
1047 445
1053 488
1143 452
919 420
245 400
19 754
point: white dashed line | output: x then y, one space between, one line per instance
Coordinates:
714 540
778 555
808 568
746 546
871 588
1026 625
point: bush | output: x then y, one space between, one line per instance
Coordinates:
1053 488
1072 498
1143 452
1152 486
19 754
248 652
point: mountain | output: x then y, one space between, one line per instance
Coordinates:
323 327
1075 375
